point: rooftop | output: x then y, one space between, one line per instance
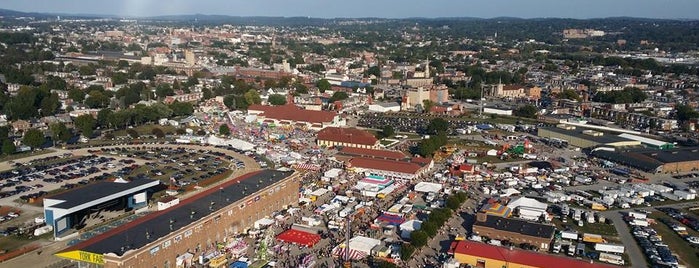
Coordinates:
372 153
578 133
386 165
133 235
292 112
95 191
517 226
347 135
516 256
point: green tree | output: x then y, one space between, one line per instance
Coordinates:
277 99
300 88
224 130
418 238
49 105
76 95
685 112
427 105
8 147
437 125
323 85
119 78
132 133
86 124
163 90
338 96
158 133
181 108
528 111
569 94
252 97
33 138
104 117
59 132
388 131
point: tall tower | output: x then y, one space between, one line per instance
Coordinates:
427 67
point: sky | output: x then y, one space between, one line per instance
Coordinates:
581 9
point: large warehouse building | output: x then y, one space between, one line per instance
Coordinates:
671 160
67 210
478 254
192 228
585 138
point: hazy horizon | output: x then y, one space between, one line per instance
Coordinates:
667 9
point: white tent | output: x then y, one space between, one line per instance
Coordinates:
408 227
235 143
363 244
428 187
332 173
529 208
509 192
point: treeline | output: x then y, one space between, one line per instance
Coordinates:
627 95
430 227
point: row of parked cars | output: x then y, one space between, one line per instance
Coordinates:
654 248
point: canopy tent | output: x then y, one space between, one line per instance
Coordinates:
305 166
299 237
391 219
354 254
428 187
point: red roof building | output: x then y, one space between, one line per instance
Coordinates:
389 168
372 153
292 114
488 256
346 137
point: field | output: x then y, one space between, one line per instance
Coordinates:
686 253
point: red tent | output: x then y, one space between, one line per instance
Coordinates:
299 237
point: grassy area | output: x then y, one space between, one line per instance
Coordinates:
146 130
25 154
603 229
385 142
687 254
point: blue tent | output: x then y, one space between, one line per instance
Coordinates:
239 264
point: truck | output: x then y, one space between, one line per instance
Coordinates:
580 249
593 238
611 258
637 215
569 235
609 248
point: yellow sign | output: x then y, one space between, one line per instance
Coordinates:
218 261
84 256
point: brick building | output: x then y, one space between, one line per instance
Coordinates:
195 227
515 230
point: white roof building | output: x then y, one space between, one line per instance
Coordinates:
428 187
528 208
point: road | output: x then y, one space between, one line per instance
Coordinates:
636 256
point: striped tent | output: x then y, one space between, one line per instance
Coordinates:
354 254
305 166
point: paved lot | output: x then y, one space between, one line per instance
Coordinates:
44 257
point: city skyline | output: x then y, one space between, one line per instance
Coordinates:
672 9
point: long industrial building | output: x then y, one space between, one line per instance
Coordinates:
192 228
585 138
657 161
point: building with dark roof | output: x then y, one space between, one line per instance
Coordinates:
194 226
649 160
351 152
346 137
483 255
66 210
516 231
292 115
585 138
